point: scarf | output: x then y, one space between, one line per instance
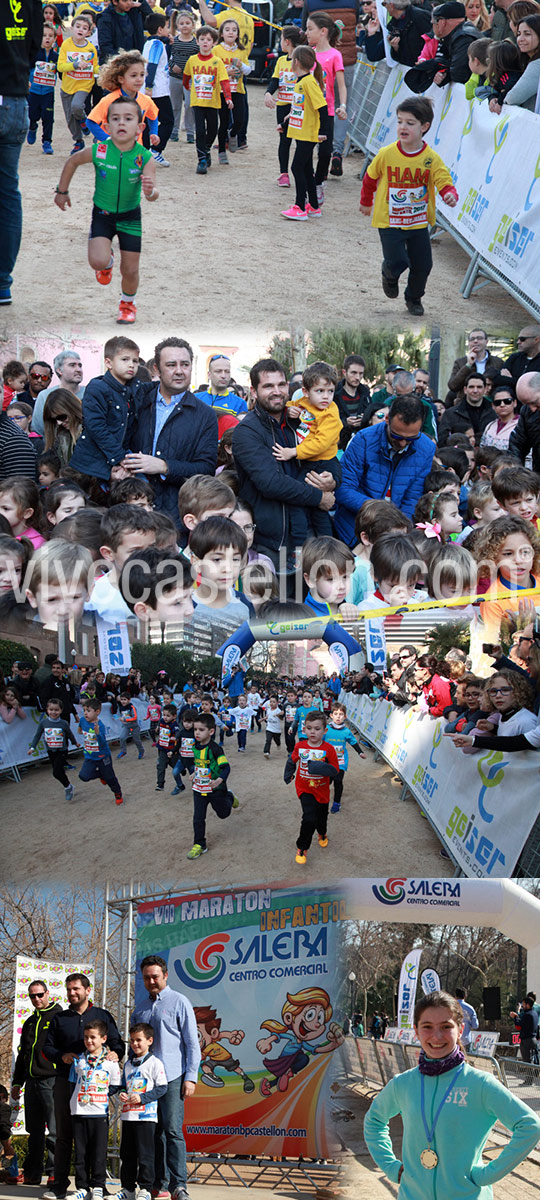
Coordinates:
439 1066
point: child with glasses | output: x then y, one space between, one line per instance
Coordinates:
511 699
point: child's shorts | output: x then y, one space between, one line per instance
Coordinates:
127 226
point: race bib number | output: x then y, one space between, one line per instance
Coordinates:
164 739
290 713
307 419
296 119
81 65
90 739
307 756
94 1089
154 714
54 738
204 86
244 722
186 747
340 751
407 206
202 779
45 74
287 81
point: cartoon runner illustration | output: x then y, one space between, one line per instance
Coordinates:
215 1055
305 1016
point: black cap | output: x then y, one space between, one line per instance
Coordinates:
451 9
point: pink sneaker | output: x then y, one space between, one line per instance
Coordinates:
313 212
294 213
283 180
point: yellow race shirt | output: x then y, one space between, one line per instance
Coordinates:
287 79
307 99
78 66
317 435
237 84
206 75
245 25
405 196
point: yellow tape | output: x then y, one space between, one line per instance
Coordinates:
425 605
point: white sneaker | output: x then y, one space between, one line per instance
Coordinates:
160 160
97 1193
143 1194
320 194
123 1194
81 1194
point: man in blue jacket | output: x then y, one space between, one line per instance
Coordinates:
387 461
121 27
171 435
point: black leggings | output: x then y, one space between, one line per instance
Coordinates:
325 154
284 139
206 123
58 760
225 117
302 169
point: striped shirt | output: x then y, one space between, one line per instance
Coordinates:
17 454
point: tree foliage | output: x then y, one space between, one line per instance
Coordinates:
447 636
179 664
377 346
10 652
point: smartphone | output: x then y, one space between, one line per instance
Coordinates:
487 648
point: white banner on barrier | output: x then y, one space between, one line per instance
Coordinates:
483 1042
483 806
15 738
54 975
495 164
408 981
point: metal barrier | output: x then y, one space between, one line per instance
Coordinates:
481 272
367 88
522 1078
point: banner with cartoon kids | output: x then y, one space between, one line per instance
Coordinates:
54 975
260 967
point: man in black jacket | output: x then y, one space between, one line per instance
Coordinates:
37 1074
270 487
526 435
172 434
352 397
405 28
455 35
121 27
21 26
57 687
25 684
64 1041
527 358
473 412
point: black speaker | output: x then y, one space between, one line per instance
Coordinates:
492 1003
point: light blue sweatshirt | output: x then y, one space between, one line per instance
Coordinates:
473 1106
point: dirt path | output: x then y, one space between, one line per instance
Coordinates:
43 836
217 256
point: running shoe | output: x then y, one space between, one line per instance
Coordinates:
266 754
233 144
390 287
283 180
159 159
244 146
320 194
301 857
173 138
119 799
190 139
31 136
236 802
208 159
176 791
105 275
69 796
97 1193
84 129
336 807
159 787
125 1194
323 841
336 167
415 308
202 168
222 158
77 146
5 295
121 754
127 312
141 754
197 850
313 212
47 148
294 213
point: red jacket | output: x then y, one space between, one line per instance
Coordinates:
438 695
319 784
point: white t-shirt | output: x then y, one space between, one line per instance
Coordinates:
242 716
274 717
90 1096
154 51
107 602
138 1078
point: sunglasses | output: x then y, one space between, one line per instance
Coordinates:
524 339
36 995
497 402
61 417
397 437
34 375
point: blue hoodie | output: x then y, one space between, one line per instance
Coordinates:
474 1105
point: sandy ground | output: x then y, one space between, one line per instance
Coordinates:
217 255
364 1181
374 834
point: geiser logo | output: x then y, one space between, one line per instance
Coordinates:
477 848
510 238
528 202
413 891
397 76
209 965
444 113
500 134
473 208
466 128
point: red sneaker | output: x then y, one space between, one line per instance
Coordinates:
283 180
104 276
119 798
127 312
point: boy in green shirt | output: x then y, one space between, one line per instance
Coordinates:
123 167
209 781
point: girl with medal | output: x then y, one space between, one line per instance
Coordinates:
448 1109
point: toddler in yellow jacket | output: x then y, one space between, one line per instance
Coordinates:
317 437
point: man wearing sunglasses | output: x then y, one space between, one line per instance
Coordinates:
37 1074
68 369
219 395
39 377
527 356
386 461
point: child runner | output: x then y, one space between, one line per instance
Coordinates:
291 709
183 26
78 66
127 714
209 782
144 1082
153 714
41 90
340 736
157 79
206 76
448 1109
243 714
123 77
116 199
283 83
323 35
308 125
19 504
317 765
273 717
92 1073
402 179
97 756
56 734
237 65
184 748
166 739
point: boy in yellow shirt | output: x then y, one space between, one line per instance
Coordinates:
205 74
317 437
402 179
78 66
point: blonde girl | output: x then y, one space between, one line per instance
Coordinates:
183 26
19 504
477 14
62 423
305 1016
448 1109
308 125
237 66
324 35
123 76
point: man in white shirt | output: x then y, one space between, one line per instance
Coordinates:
69 372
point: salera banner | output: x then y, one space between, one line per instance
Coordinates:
261 968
